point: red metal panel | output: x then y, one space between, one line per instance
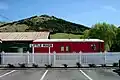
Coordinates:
85 47
74 47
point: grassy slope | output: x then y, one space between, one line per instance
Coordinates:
65 36
43 22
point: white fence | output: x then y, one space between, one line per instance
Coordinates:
60 58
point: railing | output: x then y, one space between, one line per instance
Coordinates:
57 58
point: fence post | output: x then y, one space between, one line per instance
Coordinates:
49 56
3 57
105 57
28 57
80 57
54 53
33 53
119 64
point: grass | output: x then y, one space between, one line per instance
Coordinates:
65 36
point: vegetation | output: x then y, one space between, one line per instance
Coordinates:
43 22
1 23
107 32
65 36
116 46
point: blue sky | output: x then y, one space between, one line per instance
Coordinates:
86 12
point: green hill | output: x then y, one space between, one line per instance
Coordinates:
43 22
65 36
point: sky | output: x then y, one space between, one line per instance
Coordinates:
86 12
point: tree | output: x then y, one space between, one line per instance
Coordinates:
104 31
86 34
116 45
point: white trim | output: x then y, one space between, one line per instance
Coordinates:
7 73
89 78
68 40
43 76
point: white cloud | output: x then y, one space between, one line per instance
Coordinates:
3 6
111 8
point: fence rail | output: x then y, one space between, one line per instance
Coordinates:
60 58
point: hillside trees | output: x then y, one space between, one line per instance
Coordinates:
104 31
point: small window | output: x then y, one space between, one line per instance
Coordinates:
93 46
62 48
67 48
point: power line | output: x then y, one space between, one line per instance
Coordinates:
5 17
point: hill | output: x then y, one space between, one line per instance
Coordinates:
1 23
43 22
65 36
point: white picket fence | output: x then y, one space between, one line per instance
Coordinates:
60 58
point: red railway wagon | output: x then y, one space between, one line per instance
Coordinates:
68 45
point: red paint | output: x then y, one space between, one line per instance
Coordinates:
74 47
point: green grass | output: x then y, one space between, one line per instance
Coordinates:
65 36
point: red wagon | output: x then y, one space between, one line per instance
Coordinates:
68 45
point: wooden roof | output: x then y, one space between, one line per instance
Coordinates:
23 36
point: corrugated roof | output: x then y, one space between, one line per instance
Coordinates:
23 36
67 40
